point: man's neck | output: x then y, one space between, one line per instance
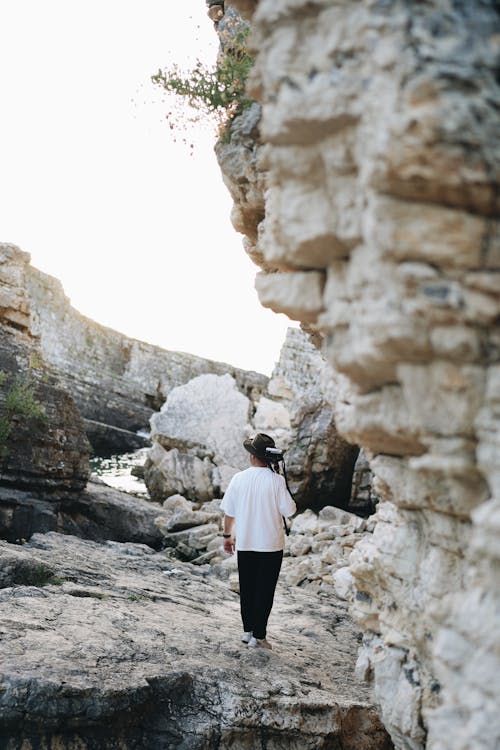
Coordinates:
254 461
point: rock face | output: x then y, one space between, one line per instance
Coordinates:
44 452
320 463
381 152
364 499
113 645
198 435
97 513
117 382
237 158
42 440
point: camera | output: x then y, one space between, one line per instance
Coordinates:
273 455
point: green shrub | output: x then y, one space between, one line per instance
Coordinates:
215 93
19 402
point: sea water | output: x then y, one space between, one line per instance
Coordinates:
116 471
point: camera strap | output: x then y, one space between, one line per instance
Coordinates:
278 456
287 528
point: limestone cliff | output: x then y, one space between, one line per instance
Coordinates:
56 365
380 156
116 381
42 440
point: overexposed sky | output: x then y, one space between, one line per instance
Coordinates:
95 187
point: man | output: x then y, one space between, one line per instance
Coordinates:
254 505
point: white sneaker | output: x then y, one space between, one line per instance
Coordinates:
247 637
259 643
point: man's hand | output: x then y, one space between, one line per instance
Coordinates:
229 545
227 528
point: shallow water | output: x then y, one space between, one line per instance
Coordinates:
116 471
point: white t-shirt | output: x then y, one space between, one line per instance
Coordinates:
257 498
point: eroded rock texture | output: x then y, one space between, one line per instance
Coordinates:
42 440
319 461
381 147
113 645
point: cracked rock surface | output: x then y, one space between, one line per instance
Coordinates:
114 645
380 144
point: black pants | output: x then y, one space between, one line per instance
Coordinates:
258 573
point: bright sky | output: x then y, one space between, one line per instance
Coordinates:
94 187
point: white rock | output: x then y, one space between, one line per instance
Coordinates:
298 545
208 411
336 516
271 415
172 470
305 523
344 583
333 554
176 503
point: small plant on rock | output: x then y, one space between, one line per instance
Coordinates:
219 93
18 401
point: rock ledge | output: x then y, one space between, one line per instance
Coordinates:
119 646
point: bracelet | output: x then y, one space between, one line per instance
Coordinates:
227 536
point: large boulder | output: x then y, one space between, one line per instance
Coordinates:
209 412
319 461
167 472
97 513
198 436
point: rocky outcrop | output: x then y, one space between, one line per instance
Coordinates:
113 645
42 440
117 382
320 463
198 435
14 302
364 498
381 151
44 452
97 513
237 158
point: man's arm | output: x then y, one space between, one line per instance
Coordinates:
228 529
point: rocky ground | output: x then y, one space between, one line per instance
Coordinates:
316 551
114 645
